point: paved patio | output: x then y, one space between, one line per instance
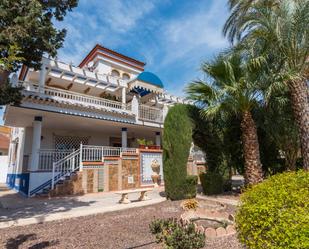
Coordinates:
16 210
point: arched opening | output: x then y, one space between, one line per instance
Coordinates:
125 76
115 73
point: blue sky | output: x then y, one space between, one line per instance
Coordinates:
172 36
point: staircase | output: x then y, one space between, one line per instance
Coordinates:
67 168
63 170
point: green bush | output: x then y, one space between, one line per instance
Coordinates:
177 139
275 213
212 183
184 190
176 235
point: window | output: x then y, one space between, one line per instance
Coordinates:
115 73
125 76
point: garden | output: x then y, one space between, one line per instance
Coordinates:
250 115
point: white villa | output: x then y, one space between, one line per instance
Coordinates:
85 121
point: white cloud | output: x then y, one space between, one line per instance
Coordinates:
198 31
123 15
104 22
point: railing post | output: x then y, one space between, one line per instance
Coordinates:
53 175
81 157
73 163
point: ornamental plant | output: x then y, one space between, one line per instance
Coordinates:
177 138
275 213
175 234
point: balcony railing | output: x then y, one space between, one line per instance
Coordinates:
145 113
76 97
48 157
92 153
152 114
89 153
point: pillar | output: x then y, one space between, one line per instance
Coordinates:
123 95
134 107
124 137
158 138
165 111
20 155
43 73
36 143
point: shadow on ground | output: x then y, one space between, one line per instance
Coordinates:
15 243
14 206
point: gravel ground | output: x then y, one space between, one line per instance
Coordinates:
117 230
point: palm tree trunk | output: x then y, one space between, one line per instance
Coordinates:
300 103
253 166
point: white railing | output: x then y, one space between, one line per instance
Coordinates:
76 97
151 114
48 157
92 153
65 167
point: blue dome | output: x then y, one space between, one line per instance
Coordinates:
150 78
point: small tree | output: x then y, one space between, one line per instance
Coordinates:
177 138
27 32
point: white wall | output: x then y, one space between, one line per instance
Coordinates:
3 168
95 138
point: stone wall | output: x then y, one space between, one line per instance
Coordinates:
130 171
72 186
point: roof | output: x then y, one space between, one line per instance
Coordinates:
150 78
98 47
4 141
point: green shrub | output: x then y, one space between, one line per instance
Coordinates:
212 183
190 187
184 190
275 213
177 139
176 235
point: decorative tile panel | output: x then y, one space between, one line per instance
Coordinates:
145 163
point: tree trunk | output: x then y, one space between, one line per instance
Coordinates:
300 104
4 75
253 166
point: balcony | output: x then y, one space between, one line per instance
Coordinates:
142 112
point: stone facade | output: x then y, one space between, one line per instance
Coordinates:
71 186
130 171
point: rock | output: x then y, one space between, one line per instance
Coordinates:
230 229
220 231
210 233
231 217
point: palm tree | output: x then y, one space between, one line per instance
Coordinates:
230 89
279 30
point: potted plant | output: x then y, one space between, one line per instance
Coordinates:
142 143
151 145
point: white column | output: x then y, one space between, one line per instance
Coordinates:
20 153
124 137
135 107
165 111
123 95
43 73
158 138
36 143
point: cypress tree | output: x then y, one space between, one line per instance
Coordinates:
177 140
